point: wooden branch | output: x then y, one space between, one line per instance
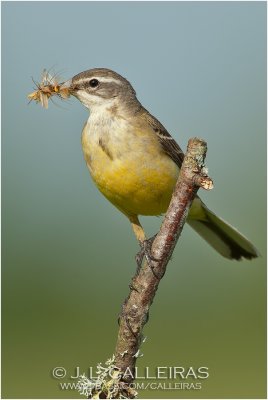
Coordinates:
135 310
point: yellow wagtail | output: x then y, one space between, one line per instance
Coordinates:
135 162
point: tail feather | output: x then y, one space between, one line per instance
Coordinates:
224 238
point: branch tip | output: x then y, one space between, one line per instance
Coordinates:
205 182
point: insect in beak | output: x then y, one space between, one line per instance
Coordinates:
49 87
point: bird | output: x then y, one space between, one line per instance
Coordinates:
135 162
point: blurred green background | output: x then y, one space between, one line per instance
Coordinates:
68 255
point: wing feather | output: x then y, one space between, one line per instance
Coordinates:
169 145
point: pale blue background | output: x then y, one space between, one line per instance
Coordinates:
68 255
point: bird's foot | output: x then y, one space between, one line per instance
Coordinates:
145 251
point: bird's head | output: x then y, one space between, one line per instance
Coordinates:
101 88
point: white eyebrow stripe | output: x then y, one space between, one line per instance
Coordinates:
101 79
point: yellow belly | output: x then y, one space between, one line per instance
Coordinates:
137 177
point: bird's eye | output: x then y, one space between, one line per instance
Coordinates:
93 83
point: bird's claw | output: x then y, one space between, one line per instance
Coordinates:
145 251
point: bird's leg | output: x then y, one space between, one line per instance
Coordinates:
140 235
144 243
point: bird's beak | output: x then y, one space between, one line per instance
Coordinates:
70 87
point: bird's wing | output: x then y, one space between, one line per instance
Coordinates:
169 145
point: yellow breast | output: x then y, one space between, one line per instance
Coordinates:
129 167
